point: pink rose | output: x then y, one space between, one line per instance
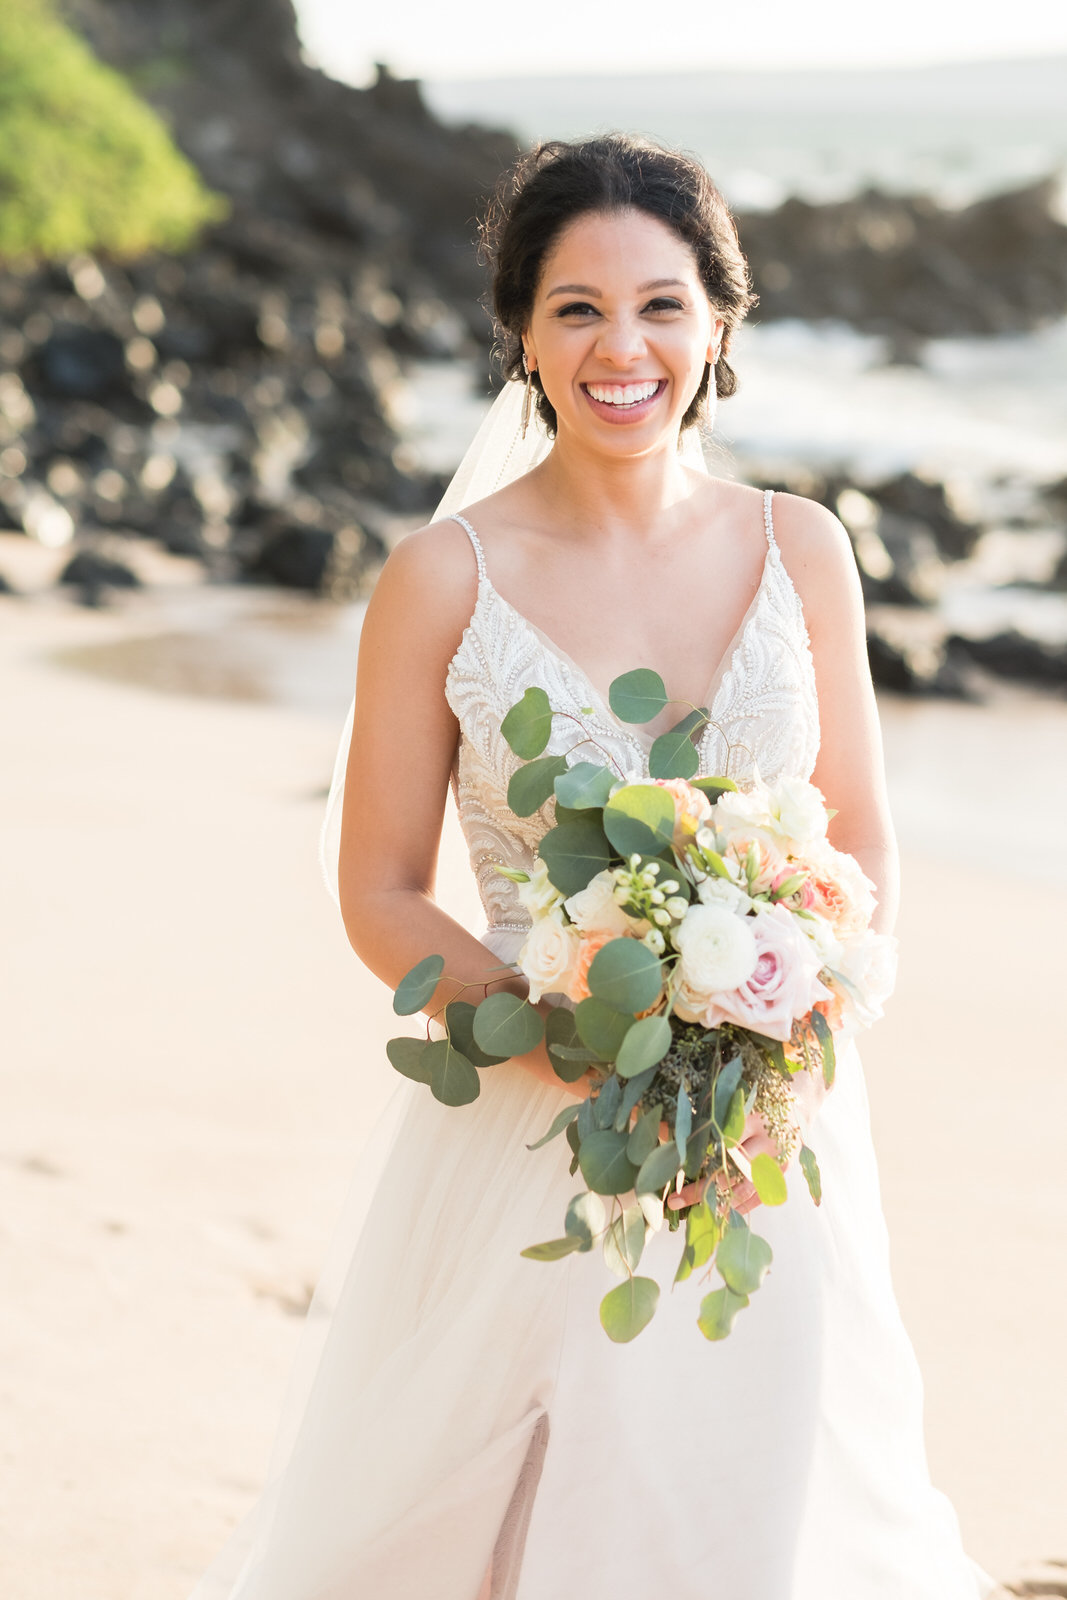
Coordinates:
785 983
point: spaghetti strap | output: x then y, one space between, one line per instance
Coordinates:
768 520
479 553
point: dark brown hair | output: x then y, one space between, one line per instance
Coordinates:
555 183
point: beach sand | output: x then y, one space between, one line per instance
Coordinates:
192 1056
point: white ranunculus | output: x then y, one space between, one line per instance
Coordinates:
595 909
799 810
548 956
717 949
720 892
539 896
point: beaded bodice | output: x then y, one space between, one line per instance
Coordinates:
763 705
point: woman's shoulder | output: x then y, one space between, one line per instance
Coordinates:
817 554
427 588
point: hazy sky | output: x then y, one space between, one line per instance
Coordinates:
464 39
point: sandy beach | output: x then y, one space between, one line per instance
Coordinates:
193 1055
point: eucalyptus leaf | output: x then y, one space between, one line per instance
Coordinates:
532 785
459 1019
697 1148
645 1044
563 1120
658 1169
768 1179
585 1123
628 1308
683 1122
626 976
717 1312
714 787
506 1025
824 1034
586 1218
574 852
726 1081
637 696
606 1167
812 1176
585 785
607 1102
702 1233
624 1241
601 1027
639 818
633 1092
453 1079
416 987
569 1057
742 1260
673 754
408 1056
528 724
645 1136
733 1129
553 1250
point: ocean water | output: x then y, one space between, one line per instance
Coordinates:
953 131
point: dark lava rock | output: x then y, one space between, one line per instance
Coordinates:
83 363
93 574
1012 655
6 587
938 671
927 503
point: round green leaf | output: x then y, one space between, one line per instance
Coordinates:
586 784
645 1044
628 1308
637 696
624 1242
714 787
459 1019
733 1129
563 1120
453 1079
408 1056
528 724
574 852
742 1259
625 975
673 754
416 987
658 1169
531 785
702 1232
605 1166
645 1136
553 1249
569 1057
601 1027
505 1025
639 817
768 1179
586 1218
717 1312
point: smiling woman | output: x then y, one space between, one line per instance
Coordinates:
469 1433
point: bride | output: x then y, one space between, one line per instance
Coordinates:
459 1427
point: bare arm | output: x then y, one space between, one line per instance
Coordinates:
850 769
404 737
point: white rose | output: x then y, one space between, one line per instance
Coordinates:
799 810
595 909
869 968
548 956
717 949
539 896
822 936
742 810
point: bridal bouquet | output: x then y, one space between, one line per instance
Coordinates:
704 945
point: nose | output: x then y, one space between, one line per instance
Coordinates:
621 340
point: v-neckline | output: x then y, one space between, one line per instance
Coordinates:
631 730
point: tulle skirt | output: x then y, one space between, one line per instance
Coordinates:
456 1407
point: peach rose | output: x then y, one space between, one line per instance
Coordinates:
579 984
692 808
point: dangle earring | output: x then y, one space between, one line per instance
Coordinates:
527 399
711 397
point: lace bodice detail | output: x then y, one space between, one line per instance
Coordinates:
764 713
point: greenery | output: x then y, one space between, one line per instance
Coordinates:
84 163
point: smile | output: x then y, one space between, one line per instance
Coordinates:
624 402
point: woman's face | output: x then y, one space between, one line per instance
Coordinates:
620 331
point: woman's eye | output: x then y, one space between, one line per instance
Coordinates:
664 303
576 307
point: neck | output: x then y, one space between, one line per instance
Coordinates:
605 493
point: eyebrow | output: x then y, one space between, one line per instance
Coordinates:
594 294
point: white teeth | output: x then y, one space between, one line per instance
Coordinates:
630 394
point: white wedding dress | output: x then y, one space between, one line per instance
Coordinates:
458 1405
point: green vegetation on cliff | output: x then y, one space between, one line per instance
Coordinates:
84 163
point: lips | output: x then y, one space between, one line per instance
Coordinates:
624 402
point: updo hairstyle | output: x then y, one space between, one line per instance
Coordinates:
555 183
